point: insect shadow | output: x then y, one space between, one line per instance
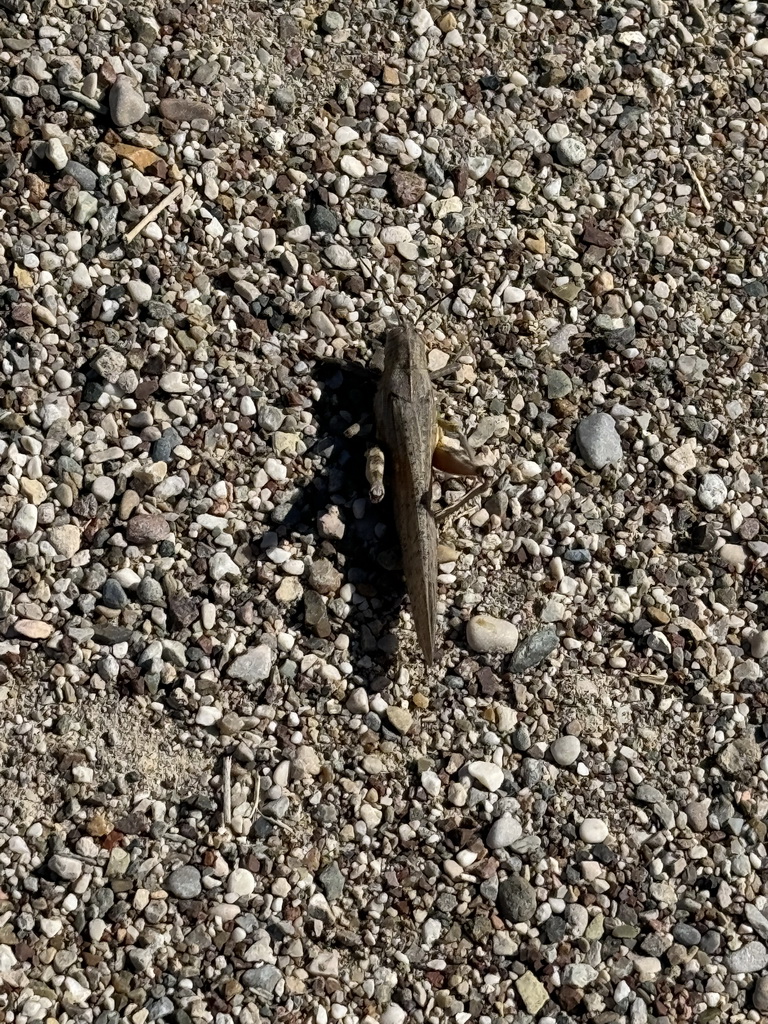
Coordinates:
357 537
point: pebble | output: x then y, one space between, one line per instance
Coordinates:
565 750
178 109
57 154
253 666
65 540
599 441
748 959
126 104
24 522
593 830
712 492
147 529
489 775
184 882
241 882
140 291
487 634
175 399
400 718
505 831
533 994
103 488
759 644
533 650
571 152
339 257
516 899
760 995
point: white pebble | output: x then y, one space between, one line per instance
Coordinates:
565 750
593 830
487 634
489 775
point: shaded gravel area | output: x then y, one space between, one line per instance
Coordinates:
229 790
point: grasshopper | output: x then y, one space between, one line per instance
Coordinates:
412 438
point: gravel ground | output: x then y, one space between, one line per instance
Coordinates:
230 790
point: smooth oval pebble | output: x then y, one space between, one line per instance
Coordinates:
486 634
593 830
565 750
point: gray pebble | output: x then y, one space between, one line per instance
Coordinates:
503 832
332 21
533 650
126 104
332 881
760 995
599 441
184 882
751 957
516 899
253 666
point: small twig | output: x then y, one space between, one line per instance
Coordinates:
699 187
256 798
153 214
226 796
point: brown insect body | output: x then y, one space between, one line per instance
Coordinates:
405 409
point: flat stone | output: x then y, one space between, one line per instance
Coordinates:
332 881
757 920
68 868
147 529
487 634
682 460
751 957
126 104
400 718
340 257
579 975
532 992
176 109
253 666
599 441
533 650
33 629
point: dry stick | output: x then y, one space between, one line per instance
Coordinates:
155 213
226 810
699 187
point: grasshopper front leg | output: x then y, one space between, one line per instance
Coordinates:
449 461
